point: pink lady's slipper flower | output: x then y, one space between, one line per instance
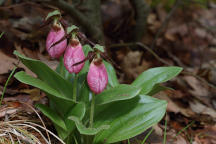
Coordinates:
74 54
97 77
56 33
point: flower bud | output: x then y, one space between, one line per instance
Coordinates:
97 77
74 54
56 33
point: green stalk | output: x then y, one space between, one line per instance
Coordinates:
92 110
3 92
75 87
61 66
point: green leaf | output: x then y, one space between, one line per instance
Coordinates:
99 47
51 93
52 116
128 118
157 88
87 131
79 111
53 13
63 134
112 78
154 76
47 75
87 48
71 28
120 92
27 79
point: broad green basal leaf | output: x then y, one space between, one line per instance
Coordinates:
157 88
53 94
47 75
128 118
27 79
87 131
77 110
120 92
154 76
52 116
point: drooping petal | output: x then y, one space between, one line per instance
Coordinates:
53 37
74 54
97 77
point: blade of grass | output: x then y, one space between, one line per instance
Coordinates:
5 86
190 138
148 134
128 141
1 34
183 129
165 129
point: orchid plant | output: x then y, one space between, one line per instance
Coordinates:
87 104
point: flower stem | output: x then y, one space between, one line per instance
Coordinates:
92 110
75 87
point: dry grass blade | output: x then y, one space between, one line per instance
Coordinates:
47 131
17 130
22 133
40 120
15 133
18 140
35 130
11 138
